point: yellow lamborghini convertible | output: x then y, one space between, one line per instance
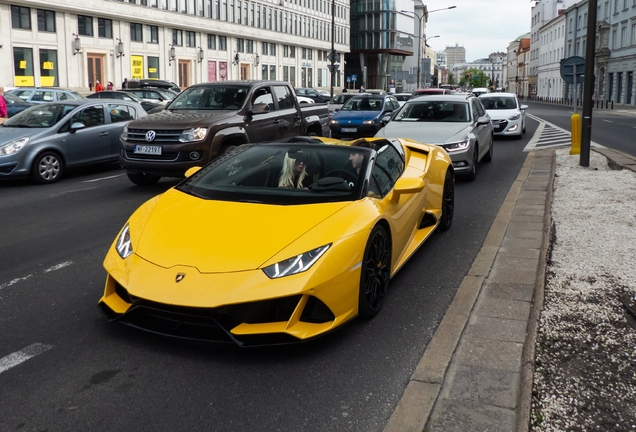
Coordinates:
280 242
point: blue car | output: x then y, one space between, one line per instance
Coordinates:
361 116
15 104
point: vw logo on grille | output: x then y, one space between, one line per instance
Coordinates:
151 135
179 277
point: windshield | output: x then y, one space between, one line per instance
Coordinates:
210 98
286 174
340 99
363 104
12 98
40 116
498 103
431 110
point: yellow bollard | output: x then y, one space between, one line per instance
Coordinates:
576 134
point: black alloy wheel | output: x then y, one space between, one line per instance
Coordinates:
472 175
448 202
143 179
375 273
47 168
488 157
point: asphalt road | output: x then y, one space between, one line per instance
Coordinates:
611 128
85 373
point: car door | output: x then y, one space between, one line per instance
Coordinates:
481 131
91 143
119 115
403 215
288 119
263 126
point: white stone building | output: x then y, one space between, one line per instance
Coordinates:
550 85
71 44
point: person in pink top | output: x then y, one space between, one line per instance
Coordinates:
3 105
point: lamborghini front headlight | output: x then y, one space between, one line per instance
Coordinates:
297 264
124 245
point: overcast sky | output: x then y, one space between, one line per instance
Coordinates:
480 26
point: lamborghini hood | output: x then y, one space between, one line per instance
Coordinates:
221 236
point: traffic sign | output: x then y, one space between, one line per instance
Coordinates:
335 67
336 58
572 66
348 79
354 78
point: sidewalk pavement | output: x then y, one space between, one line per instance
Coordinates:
476 373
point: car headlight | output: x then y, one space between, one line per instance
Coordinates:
334 121
13 146
515 117
295 265
124 133
194 134
457 146
368 122
124 246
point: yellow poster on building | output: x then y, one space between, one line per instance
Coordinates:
137 67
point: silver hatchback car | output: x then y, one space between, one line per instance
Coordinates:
38 95
41 141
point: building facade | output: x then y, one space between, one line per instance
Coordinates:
74 44
550 85
542 13
456 54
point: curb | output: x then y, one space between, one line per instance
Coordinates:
416 405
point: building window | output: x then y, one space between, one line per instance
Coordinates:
46 21
84 25
249 46
177 37
136 32
223 43
153 67
20 17
104 28
272 72
48 68
212 42
272 49
240 45
264 70
23 66
292 52
264 50
152 34
191 39
623 37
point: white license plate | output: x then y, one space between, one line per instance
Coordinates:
349 130
150 150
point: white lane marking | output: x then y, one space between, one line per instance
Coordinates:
609 121
14 281
103 178
23 278
58 266
535 142
21 356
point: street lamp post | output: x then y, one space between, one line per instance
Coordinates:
419 38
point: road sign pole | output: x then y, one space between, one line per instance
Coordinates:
588 85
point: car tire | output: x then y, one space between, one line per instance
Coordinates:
143 179
375 273
448 202
227 149
472 175
491 151
47 168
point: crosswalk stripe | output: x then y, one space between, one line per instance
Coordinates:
549 135
14 359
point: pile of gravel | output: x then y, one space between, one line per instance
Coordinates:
585 371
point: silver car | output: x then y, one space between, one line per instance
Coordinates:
41 141
457 123
36 95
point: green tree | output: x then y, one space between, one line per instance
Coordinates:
451 78
478 78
